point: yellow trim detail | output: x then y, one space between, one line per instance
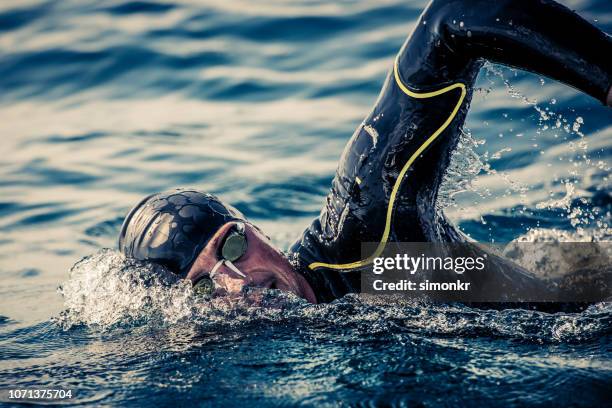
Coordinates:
400 177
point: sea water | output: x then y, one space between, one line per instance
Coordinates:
102 103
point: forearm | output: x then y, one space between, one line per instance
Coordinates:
539 36
387 180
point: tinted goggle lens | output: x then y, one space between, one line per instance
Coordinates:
233 248
235 244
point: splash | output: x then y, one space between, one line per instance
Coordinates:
563 203
554 260
106 292
465 169
465 166
105 289
570 192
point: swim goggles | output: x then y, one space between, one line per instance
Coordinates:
234 246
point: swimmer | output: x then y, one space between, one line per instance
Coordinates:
387 181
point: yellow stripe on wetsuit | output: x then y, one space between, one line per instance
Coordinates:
400 177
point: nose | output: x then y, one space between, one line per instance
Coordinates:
228 278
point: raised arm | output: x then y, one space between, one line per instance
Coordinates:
541 36
387 181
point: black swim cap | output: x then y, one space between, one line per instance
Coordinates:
172 228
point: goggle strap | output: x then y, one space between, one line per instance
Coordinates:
233 268
229 265
216 268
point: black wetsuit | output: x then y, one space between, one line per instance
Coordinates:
386 184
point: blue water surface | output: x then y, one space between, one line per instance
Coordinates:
103 102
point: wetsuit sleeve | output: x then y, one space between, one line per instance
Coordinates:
386 185
541 36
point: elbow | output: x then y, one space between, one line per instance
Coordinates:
454 21
439 19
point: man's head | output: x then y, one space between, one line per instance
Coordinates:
197 236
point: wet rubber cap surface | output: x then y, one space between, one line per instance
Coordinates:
172 228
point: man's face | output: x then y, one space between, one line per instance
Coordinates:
261 265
